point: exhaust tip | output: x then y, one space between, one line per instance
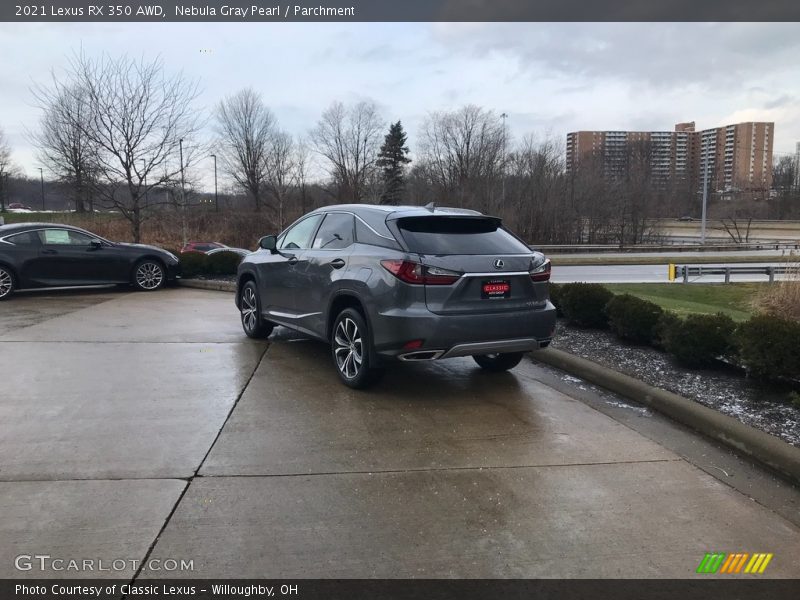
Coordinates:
421 355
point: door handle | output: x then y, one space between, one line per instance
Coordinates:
292 260
337 263
49 251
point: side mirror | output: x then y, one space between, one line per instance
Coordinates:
268 242
95 244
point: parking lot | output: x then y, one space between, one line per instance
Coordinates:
147 426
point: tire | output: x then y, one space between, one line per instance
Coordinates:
253 323
351 346
7 283
498 362
149 275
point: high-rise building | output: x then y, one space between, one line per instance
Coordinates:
735 157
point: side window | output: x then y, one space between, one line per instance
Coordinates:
64 237
365 235
299 236
29 238
336 232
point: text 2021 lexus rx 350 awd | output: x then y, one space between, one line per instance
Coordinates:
407 283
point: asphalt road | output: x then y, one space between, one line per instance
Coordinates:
147 427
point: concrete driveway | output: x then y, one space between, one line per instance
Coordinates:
146 427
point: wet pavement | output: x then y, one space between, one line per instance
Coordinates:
146 426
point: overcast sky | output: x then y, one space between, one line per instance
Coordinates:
549 78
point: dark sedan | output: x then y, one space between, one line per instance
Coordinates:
36 255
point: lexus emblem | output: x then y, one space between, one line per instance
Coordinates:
499 264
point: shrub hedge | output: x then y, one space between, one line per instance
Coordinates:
223 263
666 322
700 340
584 304
769 347
193 264
555 298
632 318
198 263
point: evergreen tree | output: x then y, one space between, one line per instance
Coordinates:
392 160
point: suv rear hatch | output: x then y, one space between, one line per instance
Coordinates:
496 266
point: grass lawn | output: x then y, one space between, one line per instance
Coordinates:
707 298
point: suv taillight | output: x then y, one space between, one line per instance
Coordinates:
542 272
415 273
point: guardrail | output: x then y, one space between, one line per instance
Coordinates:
684 272
590 248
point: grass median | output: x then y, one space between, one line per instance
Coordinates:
733 299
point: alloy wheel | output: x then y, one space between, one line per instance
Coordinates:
348 348
249 308
149 276
6 283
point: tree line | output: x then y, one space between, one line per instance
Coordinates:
125 134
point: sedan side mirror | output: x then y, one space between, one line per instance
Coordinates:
268 242
95 244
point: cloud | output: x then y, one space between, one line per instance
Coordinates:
548 77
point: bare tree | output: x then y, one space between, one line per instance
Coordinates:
463 153
786 183
349 139
246 128
137 118
301 168
535 193
63 144
280 171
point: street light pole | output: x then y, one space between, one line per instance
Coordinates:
41 176
216 196
705 199
183 197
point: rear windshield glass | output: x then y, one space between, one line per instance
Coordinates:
456 235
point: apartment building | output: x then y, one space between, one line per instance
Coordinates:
734 158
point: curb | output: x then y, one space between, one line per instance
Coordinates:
763 447
202 284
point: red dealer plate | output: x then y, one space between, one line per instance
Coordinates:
495 288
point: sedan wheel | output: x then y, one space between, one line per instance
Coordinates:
6 283
149 276
350 347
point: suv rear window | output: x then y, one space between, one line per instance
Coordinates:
458 235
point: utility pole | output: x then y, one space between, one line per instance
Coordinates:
705 197
504 116
41 176
183 197
216 196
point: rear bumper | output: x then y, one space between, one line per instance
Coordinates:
464 335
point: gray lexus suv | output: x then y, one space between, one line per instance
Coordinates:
400 282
